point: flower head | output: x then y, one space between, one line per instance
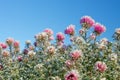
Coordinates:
31 53
48 31
117 31
3 45
41 36
103 79
100 66
5 53
25 51
76 54
98 28
19 58
28 42
104 41
70 29
92 36
86 21
68 63
60 36
72 75
51 49
9 41
16 44
51 38
113 57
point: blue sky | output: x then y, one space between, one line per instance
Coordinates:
22 19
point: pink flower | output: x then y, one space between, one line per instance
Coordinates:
3 45
49 31
16 44
81 31
60 36
68 63
60 43
70 30
87 21
98 28
19 58
92 36
9 41
76 54
5 53
72 75
100 66
51 38
31 47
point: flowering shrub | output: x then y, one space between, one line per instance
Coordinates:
85 58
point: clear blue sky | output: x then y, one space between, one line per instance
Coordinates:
22 19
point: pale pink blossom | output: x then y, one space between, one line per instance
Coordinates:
9 41
98 28
51 38
92 36
81 31
60 43
68 63
16 44
31 47
76 54
5 53
100 66
3 45
72 75
70 29
60 36
117 30
48 31
87 21
19 58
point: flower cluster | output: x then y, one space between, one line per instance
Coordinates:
84 58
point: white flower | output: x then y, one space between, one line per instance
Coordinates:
103 79
113 56
31 53
41 36
117 30
28 42
104 41
38 66
101 46
51 49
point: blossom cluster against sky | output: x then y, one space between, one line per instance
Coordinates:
22 19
